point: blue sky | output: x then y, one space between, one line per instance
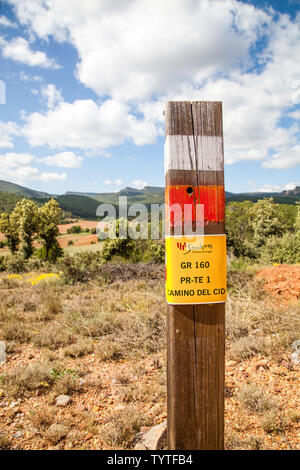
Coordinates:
86 85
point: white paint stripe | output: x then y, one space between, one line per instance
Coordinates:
180 153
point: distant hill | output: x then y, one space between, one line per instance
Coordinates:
84 205
8 201
12 188
292 192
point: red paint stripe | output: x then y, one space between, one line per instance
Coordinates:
212 197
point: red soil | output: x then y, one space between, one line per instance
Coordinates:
283 281
77 240
83 224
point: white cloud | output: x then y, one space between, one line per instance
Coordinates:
7 130
17 167
52 95
138 184
271 188
134 50
141 54
108 182
64 160
86 125
118 182
29 78
18 49
6 22
286 158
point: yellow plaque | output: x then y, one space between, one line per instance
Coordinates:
196 269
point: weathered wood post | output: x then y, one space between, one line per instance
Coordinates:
195 292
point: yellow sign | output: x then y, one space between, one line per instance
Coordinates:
196 269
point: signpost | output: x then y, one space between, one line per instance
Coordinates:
195 274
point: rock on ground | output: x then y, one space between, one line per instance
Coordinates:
2 352
63 400
154 439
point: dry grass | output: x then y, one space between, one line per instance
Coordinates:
122 427
79 349
246 347
256 399
104 341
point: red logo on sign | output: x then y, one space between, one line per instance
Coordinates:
181 246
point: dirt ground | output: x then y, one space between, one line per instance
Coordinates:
103 345
282 281
83 224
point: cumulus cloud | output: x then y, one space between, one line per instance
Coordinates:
17 167
18 49
52 95
6 23
141 54
138 184
286 158
86 125
63 160
7 130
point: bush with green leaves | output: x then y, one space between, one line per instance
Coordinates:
74 229
26 213
49 218
52 254
10 228
265 220
16 264
285 249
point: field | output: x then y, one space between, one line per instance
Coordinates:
80 242
102 343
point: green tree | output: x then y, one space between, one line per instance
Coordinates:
297 221
26 213
265 220
118 246
49 217
238 230
9 226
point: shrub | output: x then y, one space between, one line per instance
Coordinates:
53 337
27 378
2 263
16 264
81 266
93 230
285 249
52 254
74 229
122 427
70 242
79 349
246 347
256 399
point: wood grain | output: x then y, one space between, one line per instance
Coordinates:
196 344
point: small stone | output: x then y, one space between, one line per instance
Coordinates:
154 439
295 357
231 363
57 432
63 400
2 352
1 392
18 434
81 407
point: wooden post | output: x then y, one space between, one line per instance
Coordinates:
196 332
